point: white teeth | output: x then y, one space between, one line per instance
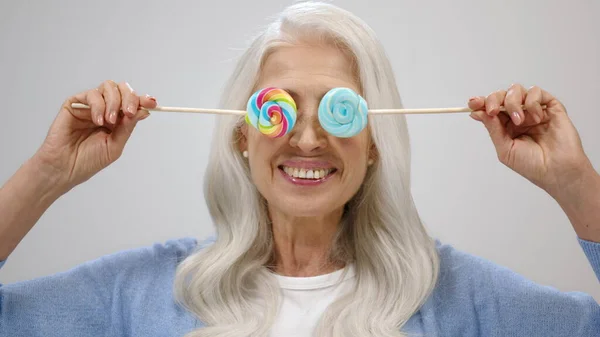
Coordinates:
306 174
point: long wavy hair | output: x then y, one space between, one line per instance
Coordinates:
226 285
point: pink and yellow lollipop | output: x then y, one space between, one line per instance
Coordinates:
272 111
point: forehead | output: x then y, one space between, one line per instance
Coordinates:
308 70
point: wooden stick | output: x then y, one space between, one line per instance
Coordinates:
243 112
428 111
178 109
417 111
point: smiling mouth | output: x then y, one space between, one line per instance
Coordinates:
307 174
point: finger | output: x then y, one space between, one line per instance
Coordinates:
112 97
481 115
513 103
499 135
143 116
476 102
92 98
493 102
547 98
533 104
148 102
553 106
123 131
477 115
131 101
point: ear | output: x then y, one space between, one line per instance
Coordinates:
242 137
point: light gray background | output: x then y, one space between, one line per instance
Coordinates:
443 52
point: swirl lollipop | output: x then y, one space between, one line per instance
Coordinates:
272 111
343 112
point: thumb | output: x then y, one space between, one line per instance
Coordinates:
122 132
498 133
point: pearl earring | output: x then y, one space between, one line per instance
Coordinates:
245 154
370 162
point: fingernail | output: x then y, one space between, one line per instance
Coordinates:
472 99
130 109
152 98
113 117
516 118
99 120
144 116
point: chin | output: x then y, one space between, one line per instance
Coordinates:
306 206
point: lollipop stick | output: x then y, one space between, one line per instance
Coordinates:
417 111
428 111
242 112
178 109
196 110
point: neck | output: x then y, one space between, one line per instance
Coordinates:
302 245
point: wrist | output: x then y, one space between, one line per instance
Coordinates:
576 184
49 179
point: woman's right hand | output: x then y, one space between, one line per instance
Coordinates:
81 142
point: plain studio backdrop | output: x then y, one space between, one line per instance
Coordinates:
442 52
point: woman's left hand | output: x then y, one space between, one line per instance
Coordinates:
542 145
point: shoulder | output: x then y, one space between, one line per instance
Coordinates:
149 259
173 250
482 277
150 263
459 266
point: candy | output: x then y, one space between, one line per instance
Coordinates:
272 111
343 112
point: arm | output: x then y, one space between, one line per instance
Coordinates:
23 200
78 145
581 203
125 292
72 303
543 146
476 297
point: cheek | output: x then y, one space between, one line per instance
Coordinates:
262 151
356 176
261 175
259 165
354 151
355 156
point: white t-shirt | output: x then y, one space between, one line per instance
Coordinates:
304 300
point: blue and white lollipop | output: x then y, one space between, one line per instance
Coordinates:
343 112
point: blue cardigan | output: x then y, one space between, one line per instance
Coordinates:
130 294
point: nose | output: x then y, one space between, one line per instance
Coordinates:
307 134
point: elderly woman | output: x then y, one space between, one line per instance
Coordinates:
316 235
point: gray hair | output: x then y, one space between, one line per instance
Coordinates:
226 285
